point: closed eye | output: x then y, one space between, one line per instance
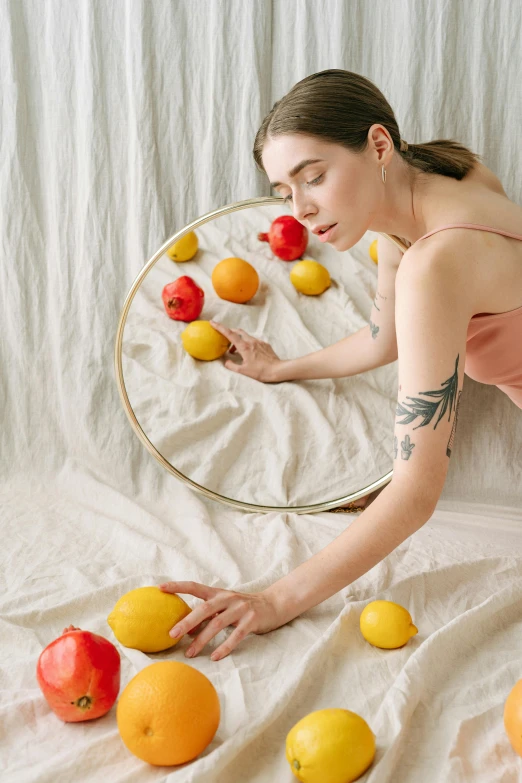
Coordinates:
313 182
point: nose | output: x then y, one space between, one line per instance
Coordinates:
302 208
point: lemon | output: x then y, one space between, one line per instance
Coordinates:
142 618
185 248
386 624
330 746
310 277
202 341
373 251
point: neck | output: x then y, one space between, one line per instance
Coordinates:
406 202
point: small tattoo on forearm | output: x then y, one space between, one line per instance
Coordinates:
375 300
374 329
406 447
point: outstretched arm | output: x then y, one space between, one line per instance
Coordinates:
432 315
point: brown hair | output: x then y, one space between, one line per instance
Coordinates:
340 107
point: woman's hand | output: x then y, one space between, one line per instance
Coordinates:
249 612
259 359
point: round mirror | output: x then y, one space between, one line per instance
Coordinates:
299 445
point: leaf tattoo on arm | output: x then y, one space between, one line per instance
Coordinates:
452 436
426 409
374 329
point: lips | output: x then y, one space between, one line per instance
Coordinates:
322 229
326 237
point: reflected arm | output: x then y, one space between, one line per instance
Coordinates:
352 355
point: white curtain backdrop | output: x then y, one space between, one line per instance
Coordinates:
120 122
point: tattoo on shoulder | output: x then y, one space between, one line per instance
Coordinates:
442 400
374 330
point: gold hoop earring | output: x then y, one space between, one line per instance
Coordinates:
383 171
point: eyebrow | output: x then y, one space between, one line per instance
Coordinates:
293 172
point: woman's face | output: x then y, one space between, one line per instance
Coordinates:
341 187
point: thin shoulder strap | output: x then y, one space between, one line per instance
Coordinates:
473 225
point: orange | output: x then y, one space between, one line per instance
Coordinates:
235 280
168 713
513 717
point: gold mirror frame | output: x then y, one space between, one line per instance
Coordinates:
326 506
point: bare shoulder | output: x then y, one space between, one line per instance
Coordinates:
388 253
436 258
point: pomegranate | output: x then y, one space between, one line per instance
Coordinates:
287 237
183 299
79 675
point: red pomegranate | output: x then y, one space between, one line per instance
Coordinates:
183 299
287 237
79 675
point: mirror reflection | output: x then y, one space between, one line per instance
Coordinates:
247 406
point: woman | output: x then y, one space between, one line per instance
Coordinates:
451 303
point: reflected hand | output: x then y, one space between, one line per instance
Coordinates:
249 612
259 358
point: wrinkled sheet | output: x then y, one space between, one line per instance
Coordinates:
285 444
71 547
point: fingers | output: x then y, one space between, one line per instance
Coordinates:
198 628
216 624
200 613
231 334
193 588
220 328
233 640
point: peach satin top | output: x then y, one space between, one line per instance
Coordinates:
494 341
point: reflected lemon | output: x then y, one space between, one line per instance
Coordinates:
185 248
310 277
202 341
386 624
333 745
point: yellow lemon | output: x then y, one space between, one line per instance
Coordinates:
185 248
142 618
202 341
513 717
330 746
386 624
310 277
373 251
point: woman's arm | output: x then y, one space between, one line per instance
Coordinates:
391 518
432 315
